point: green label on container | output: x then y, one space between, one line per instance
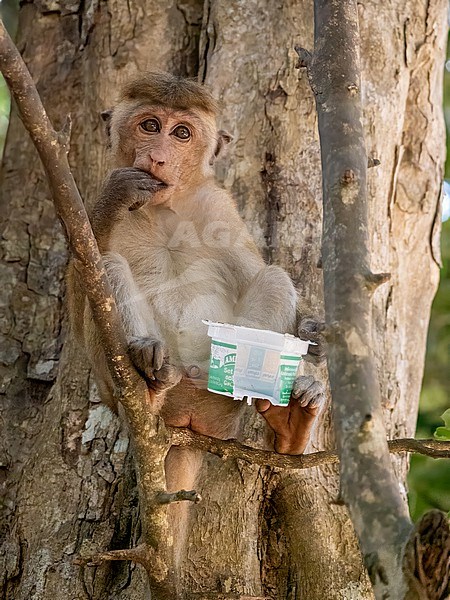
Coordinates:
221 367
288 372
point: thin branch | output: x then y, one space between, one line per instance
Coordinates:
430 447
234 449
139 554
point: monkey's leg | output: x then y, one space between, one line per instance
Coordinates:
269 302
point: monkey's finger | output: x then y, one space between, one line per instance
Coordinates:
138 204
147 354
262 405
129 173
317 355
301 384
311 326
277 417
314 396
150 186
158 356
308 392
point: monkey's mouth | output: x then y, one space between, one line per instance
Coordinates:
158 180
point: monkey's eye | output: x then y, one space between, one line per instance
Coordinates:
182 132
150 125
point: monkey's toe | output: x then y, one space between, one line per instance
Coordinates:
309 392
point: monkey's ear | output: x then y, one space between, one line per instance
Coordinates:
106 116
224 138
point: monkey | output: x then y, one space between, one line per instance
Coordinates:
177 252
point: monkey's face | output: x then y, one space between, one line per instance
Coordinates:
175 147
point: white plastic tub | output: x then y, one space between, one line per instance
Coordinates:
255 363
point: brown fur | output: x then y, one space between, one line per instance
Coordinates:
176 93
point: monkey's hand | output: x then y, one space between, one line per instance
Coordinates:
130 187
313 330
125 189
151 360
292 424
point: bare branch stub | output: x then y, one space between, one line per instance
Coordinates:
180 496
372 281
427 556
373 162
304 58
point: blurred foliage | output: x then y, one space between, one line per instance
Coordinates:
429 480
4 113
8 14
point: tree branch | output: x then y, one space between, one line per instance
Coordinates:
233 449
147 432
367 480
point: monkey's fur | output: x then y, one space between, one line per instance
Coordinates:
176 252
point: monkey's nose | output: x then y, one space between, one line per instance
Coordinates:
157 158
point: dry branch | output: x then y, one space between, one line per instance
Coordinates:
180 496
264 458
148 436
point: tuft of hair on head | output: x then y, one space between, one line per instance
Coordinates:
169 90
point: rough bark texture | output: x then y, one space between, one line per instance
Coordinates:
67 477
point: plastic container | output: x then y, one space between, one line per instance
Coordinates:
256 363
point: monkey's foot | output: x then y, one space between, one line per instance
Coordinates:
147 354
292 424
166 377
150 358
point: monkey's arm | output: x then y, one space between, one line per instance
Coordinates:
124 190
146 346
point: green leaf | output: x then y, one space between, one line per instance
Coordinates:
443 433
446 417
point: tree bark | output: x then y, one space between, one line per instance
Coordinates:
67 477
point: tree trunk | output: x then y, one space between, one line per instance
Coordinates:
67 477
